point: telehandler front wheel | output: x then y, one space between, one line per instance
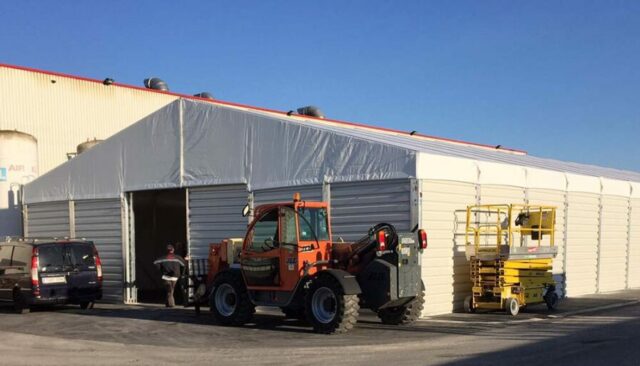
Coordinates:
406 314
327 307
229 302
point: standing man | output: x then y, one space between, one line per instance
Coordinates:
171 267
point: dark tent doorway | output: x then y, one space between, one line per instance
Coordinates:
160 219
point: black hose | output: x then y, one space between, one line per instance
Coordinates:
392 237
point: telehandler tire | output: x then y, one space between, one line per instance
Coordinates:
327 307
229 301
406 314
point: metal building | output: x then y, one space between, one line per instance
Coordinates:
184 172
62 111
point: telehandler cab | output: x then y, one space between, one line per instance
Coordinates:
288 260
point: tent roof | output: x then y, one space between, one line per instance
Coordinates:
195 143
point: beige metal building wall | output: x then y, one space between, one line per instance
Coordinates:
583 224
536 196
445 269
62 112
614 231
634 239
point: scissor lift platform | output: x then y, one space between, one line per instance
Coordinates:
511 256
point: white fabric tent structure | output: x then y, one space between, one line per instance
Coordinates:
218 151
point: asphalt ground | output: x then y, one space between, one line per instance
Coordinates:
596 330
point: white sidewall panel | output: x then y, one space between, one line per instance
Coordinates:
634 247
445 270
554 198
613 243
582 243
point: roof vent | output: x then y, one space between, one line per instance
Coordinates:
156 84
205 95
311 111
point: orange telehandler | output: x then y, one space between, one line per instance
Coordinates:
288 259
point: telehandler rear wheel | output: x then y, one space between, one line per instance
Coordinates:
406 314
327 307
229 302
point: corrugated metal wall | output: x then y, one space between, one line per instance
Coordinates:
215 213
613 243
357 206
307 193
497 194
634 248
69 111
554 198
445 269
101 222
583 220
48 220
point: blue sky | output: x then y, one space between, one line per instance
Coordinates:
559 79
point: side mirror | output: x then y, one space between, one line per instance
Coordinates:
246 210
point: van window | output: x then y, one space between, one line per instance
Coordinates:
81 255
21 256
5 255
51 257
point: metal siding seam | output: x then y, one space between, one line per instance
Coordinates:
72 219
628 263
25 221
124 236
414 206
181 119
133 293
599 248
187 208
566 233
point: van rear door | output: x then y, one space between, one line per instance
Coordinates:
83 277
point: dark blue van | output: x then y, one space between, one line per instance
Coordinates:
49 272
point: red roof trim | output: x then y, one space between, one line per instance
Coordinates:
354 124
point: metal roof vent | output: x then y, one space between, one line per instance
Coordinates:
311 111
156 84
205 95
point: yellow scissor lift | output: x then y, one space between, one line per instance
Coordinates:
511 256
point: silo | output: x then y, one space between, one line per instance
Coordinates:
18 166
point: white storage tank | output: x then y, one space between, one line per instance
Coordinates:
18 166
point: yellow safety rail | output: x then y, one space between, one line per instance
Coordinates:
533 220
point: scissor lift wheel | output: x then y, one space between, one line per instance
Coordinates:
511 306
468 305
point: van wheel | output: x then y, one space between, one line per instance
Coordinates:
85 305
20 305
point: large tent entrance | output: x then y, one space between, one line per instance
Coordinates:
160 219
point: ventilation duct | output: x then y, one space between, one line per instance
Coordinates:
156 84
205 95
311 111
